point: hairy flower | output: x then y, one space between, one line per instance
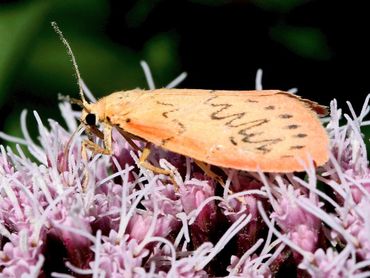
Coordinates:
67 212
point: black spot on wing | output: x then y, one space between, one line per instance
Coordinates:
286 156
264 149
165 114
251 101
292 126
300 135
285 116
125 114
181 126
270 107
297 147
164 103
232 140
166 140
210 99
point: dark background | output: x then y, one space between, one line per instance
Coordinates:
320 47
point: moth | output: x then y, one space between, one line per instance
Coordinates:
267 130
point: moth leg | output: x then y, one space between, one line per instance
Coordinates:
107 132
206 169
129 140
95 148
85 159
93 130
143 160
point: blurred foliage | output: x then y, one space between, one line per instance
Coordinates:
304 41
139 12
18 26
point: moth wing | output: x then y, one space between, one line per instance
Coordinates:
248 130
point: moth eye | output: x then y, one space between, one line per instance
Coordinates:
90 119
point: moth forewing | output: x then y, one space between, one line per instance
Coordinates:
246 130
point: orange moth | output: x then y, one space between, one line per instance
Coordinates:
266 130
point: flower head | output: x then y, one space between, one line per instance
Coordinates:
107 216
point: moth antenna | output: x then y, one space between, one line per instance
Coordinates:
70 53
79 102
87 92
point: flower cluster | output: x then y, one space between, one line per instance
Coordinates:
66 213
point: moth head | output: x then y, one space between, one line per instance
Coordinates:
89 119
93 113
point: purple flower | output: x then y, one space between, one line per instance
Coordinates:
139 225
118 257
21 256
193 195
105 216
247 268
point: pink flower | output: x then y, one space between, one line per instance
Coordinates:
139 226
118 257
77 245
361 187
121 151
192 196
290 215
247 268
20 256
107 216
247 204
329 263
185 270
305 238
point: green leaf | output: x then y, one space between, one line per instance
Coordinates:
304 41
19 24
